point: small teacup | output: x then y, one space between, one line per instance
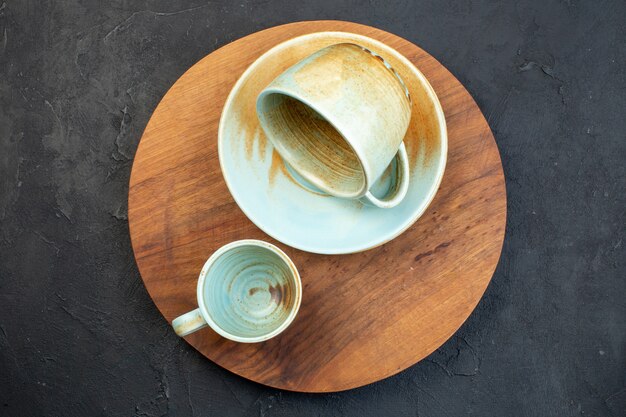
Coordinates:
338 118
248 291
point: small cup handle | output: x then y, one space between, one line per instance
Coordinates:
189 323
397 194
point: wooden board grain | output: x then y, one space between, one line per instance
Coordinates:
364 316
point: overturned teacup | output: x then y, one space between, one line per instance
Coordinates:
338 118
248 291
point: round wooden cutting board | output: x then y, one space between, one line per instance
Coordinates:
364 316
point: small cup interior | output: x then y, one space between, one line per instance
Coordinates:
250 291
311 145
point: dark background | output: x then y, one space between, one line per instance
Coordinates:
79 335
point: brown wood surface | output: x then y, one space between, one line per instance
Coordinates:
364 316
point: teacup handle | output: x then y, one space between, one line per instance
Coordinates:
400 188
189 323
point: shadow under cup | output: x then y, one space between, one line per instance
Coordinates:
250 292
312 145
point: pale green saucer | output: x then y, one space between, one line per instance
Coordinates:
297 214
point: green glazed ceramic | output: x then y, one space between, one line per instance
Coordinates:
248 291
296 212
338 118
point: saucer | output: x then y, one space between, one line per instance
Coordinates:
281 204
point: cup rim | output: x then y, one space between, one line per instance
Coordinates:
363 163
221 251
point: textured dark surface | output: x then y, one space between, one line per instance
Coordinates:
80 336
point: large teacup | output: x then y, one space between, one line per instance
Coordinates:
338 118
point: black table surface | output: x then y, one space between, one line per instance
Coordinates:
79 335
